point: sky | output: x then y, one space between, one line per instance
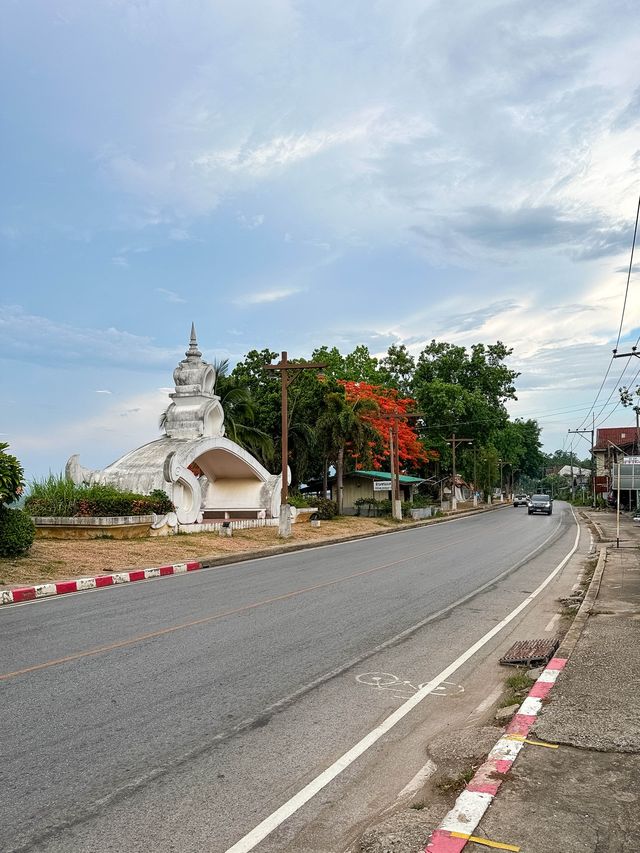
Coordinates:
291 174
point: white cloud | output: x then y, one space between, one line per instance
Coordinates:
250 222
102 391
38 339
169 295
122 427
264 296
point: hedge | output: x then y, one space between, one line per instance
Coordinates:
55 496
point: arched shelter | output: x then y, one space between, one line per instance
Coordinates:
205 474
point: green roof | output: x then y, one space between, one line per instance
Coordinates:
385 475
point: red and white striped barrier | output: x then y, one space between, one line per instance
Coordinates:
459 824
44 590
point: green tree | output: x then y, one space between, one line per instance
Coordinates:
398 367
356 366
341 428
240 415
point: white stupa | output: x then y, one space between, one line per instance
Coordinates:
205 474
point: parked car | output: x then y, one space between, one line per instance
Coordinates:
540 503
520 500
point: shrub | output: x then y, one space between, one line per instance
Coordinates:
11 476
59 497
407 506
327 509
298 500
16 532
370 504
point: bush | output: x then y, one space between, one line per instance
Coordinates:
327 509
16 532
370 504
56 496
11 476
298 500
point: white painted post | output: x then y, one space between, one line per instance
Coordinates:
284 522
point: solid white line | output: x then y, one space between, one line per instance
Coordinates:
487 703
551 624
273 821
418 780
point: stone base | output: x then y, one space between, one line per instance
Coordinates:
126 527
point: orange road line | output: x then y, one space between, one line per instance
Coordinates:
194 622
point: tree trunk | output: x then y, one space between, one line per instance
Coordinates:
339 473
325 478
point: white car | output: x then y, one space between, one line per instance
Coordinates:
520 500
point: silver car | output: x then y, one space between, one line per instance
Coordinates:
540 503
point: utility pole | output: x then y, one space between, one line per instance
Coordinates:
288 373
394 457
573 491
454 442
475 477
593 457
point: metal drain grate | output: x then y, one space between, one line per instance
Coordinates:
530 652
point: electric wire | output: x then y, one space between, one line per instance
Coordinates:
626 292
624 305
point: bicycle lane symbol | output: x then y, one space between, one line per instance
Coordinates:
402 688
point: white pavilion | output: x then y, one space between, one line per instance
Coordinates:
206 475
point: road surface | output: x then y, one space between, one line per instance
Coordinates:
176 715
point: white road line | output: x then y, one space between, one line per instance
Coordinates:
551 624
274 820
487 703
418 780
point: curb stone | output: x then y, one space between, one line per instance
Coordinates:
46 590
460 822
580 619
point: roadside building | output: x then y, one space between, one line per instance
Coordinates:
616 449
373 485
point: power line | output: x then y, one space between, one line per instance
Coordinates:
624 305
604 420
597 395
626 292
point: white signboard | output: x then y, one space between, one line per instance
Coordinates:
631 460
381 486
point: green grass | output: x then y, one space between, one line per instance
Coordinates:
516 688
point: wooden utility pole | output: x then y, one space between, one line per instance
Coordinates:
288 373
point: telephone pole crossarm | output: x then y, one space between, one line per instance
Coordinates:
593 458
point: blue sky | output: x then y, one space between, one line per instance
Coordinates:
289 174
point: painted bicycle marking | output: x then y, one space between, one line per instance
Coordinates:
402 688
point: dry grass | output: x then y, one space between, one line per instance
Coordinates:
62 559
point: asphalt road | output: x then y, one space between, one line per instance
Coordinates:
174 715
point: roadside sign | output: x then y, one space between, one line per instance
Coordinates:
631 460
381 485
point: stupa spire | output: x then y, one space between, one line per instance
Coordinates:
193 343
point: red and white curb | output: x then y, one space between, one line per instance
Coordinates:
44 590
459 824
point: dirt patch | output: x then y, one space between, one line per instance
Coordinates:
60 559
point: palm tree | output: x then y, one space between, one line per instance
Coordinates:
240 414
341 425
